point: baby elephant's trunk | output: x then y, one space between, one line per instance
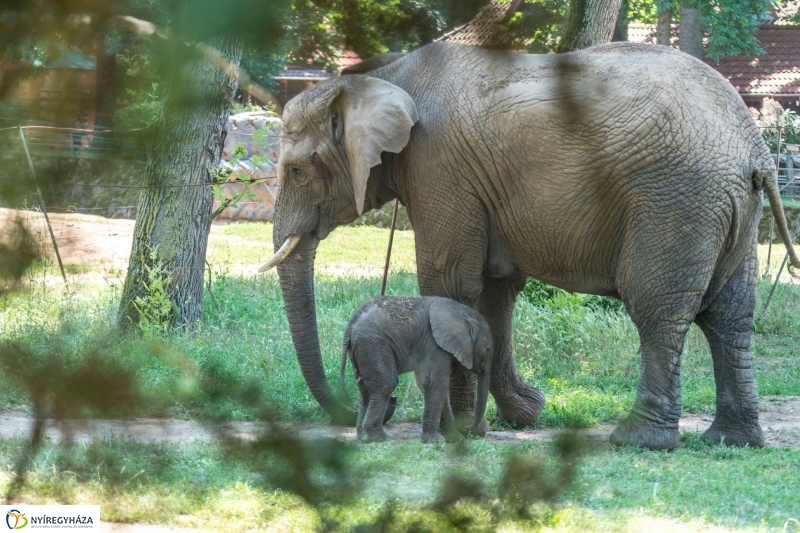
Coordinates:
480 407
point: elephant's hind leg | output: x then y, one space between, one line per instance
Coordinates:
379 379
662 301
653 421
728 324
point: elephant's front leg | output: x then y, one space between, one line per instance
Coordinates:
433 383
516 401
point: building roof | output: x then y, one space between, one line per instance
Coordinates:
294 71
482 29
347 59
776 73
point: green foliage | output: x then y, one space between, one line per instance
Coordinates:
318 31
154 308
644 11
542 294
534 28
731 25
142 109
248 107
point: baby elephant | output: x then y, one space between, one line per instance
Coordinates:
388 336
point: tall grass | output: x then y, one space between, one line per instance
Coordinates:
584 357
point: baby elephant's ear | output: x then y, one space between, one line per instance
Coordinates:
451 329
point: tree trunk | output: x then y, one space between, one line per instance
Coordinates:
108 84
175 210
691 34
621 26
664 28
589 22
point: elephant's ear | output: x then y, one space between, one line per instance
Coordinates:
452 330
377 117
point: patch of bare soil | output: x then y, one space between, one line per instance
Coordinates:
85 242
780 419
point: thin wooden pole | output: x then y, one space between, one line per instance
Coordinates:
41 204
389 249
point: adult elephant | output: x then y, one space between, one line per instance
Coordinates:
632 171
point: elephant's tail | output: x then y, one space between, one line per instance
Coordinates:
342 389
769 179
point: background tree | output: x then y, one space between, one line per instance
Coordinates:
589 22
174 217
691 31
730 26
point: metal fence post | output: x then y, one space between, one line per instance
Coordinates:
44 209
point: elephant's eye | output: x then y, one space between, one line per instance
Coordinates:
298 176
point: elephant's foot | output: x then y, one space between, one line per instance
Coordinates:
519 405
636 430
450 432
428 437
378 435
464 421
730 434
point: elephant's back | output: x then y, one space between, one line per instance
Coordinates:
379 312
447 79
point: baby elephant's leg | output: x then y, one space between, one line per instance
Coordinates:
448 428
363 402
434 392
378 379
373 419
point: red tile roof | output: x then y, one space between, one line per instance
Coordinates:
776 73
347 59
481 30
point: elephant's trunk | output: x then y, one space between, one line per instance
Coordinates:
297 284
480 406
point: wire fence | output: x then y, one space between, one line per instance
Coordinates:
88 142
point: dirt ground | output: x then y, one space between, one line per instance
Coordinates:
82 239
102 247
780 419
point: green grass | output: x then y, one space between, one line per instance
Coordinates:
585 358
214 487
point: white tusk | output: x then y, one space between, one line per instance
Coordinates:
283 252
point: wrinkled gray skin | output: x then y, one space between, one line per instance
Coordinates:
388 336
625 170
